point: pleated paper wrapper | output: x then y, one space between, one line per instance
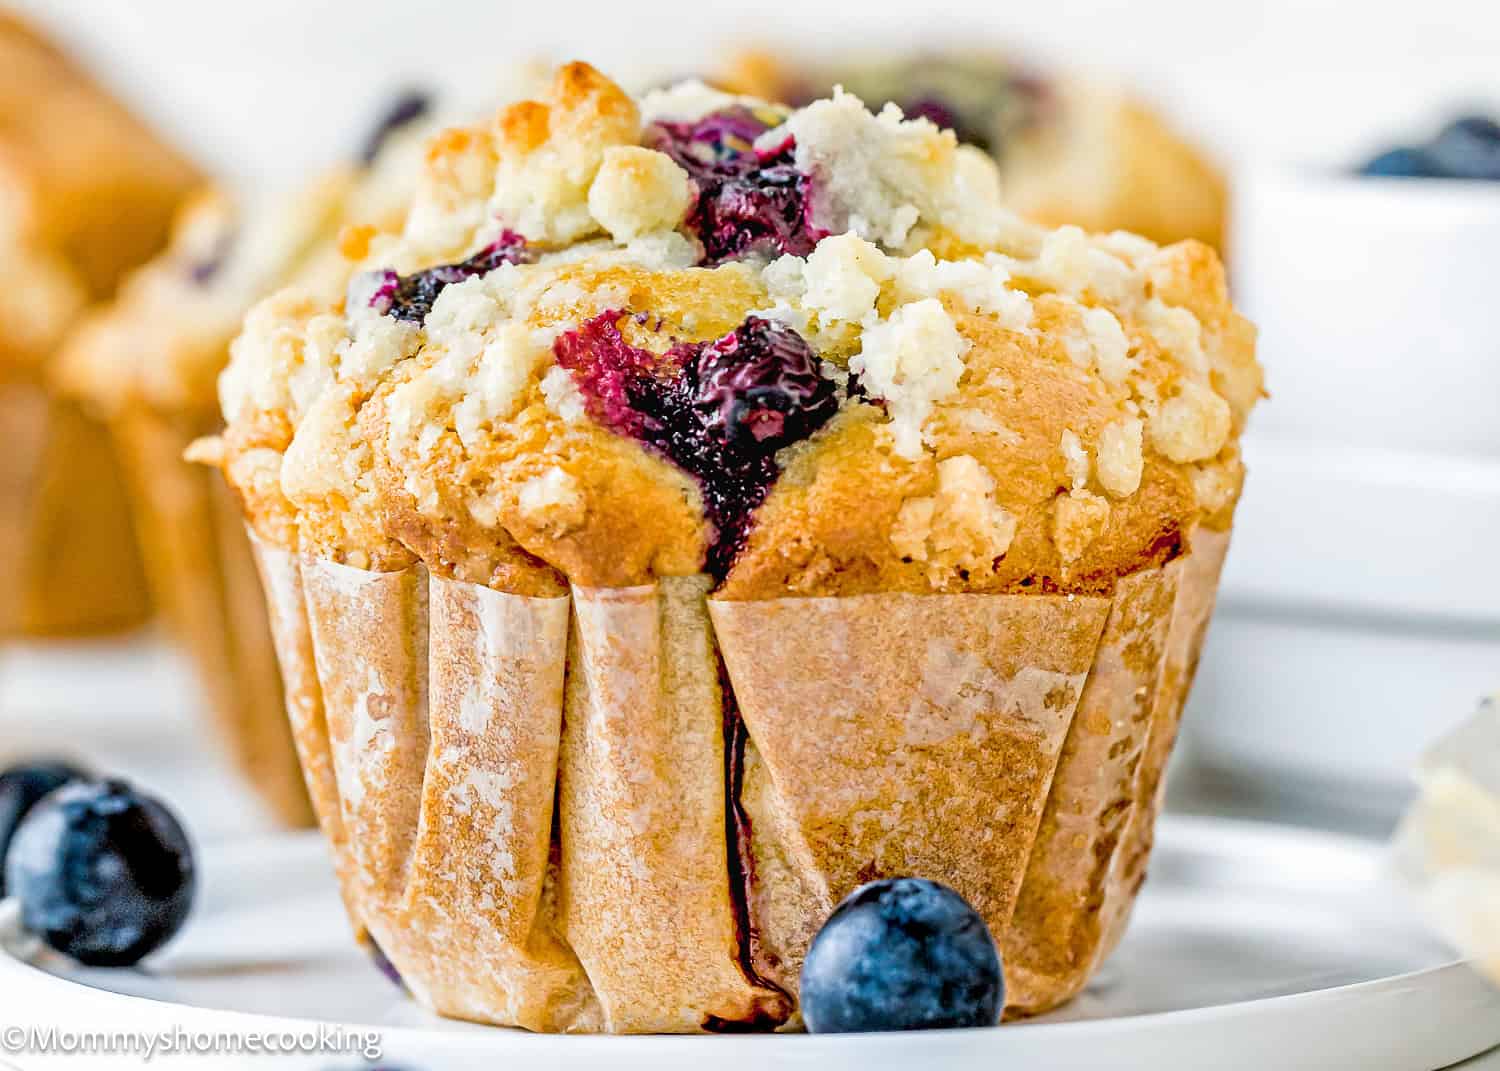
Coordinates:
203 575
1448 845
66 541
630 810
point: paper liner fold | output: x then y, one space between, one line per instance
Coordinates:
1052 944
1197 589
630 810
68 545
646 890
202 574
900 735
286 605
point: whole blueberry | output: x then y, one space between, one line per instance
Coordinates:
1404 162
104 873
902 954
21 787
1467 148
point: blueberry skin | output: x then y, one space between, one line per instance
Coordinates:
104 873
21 787
1467 148
1404 162
902 954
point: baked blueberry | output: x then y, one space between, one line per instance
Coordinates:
759 388
902 954
104 873
410 297
21 788
748 199
719 410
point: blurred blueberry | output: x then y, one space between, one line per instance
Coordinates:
104 873
383 964
1467 148
902 954
403 109
1404 162
21 787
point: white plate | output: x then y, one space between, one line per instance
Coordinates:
1253 947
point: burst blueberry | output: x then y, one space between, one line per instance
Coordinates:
902 954
748 200
104 874
759 388
719 410
411 297
22 788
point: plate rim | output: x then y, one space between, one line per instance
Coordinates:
1456 973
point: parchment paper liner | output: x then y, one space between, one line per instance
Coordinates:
202 574
66 542
868 736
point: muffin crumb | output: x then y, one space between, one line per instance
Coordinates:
960 529
912 360
1079 519
1118 459
638 191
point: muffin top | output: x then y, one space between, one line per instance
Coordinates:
804 350
165 338
1070 149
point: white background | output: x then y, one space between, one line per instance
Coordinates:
271 87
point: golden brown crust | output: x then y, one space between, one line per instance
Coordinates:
826 528
638 515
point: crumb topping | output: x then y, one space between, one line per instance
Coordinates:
803 350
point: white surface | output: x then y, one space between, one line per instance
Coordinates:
128 708
1253 947
1360 609
1375 303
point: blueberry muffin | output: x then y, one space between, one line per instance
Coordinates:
146 365
1070 151
702 507
86 193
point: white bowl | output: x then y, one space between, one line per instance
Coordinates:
1360 610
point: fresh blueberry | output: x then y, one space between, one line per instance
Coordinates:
21 788
411 297
748 199
902 954
1467 148
104 873
407 107
1404 162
